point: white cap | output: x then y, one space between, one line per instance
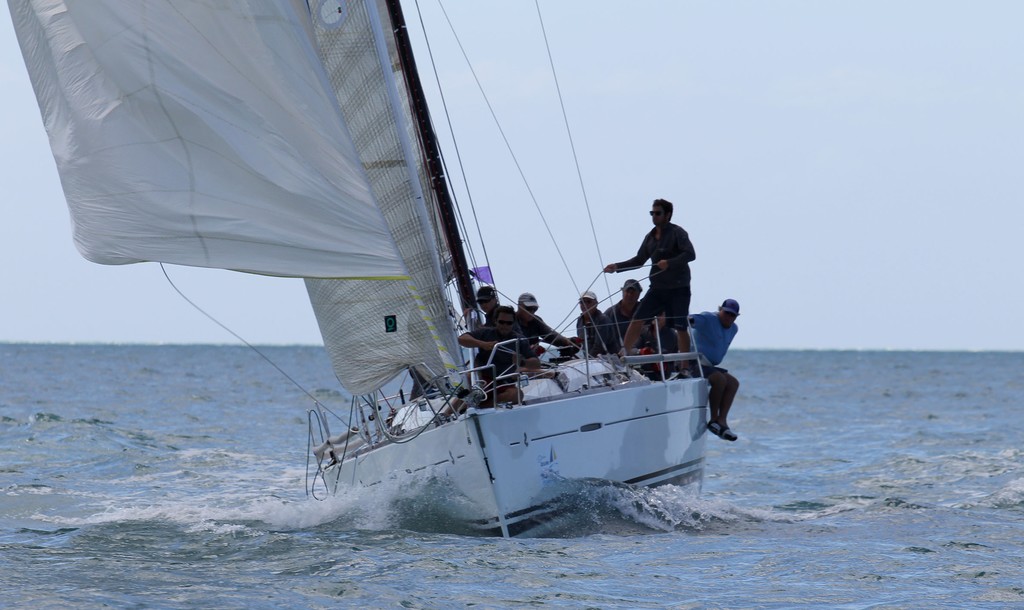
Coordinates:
528 299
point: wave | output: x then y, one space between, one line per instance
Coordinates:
256 503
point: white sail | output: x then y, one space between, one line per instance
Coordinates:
204 134
356 45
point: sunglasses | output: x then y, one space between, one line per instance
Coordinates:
656 213
482 301
505 322
531 309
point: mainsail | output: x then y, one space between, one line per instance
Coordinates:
255 135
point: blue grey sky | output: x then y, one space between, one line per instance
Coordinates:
849 171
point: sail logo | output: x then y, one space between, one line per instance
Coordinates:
332 13
391 324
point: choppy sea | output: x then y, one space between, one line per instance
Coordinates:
174 477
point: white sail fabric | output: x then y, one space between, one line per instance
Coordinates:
356 46
202 133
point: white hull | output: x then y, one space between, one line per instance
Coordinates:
506 462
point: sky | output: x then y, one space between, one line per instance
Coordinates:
850 172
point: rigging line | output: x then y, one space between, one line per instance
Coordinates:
565 321
563 326
455 143
508 145
572 143
239 337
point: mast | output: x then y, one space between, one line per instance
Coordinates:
428 141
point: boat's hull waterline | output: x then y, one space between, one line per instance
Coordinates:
508 463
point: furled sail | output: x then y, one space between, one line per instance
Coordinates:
373 329
203 133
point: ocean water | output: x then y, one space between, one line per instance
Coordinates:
174 477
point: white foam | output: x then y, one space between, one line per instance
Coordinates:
1009 496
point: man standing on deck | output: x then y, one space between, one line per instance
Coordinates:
668 246
712 334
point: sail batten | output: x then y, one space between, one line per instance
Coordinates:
196 134
361 61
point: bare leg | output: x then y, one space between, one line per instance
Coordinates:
718 383
632 334
683 345
456 406
509 394
728 393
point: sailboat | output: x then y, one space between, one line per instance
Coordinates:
291 138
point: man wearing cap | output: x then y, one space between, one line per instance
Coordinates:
483 314
713 332
595 328
621 314
507 359
533 327
668 246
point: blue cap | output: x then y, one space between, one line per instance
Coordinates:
731 306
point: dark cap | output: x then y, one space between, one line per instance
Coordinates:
731 306
635 285
486 293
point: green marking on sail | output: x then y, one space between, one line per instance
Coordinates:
446 357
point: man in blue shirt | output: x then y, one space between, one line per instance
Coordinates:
713 333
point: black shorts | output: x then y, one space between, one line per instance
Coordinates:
711 370
674 302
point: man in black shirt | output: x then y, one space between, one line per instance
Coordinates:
533 327
483 314
668 246
508 359
621 314
594 328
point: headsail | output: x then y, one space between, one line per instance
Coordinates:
357 47
204 134
256 135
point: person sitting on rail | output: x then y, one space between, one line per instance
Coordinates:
533 327
595 328
621 314
501 381
483 314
